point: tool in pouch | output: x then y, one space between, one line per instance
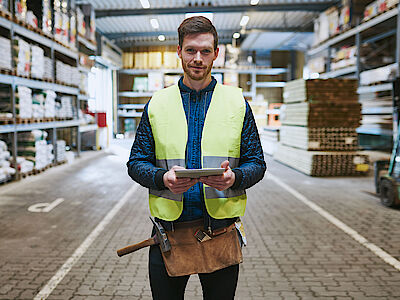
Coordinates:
160 238
203 236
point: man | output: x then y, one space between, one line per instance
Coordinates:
196 124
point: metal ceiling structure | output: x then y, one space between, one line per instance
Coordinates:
127 22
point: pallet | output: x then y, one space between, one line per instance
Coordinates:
7 72
25 120
24 175
5 14
59 163
28 26
6 121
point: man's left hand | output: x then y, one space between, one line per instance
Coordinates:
220 182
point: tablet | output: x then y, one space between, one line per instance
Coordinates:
197 173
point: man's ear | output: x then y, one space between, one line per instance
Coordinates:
216 53
179 51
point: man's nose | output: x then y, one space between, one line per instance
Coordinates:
197 56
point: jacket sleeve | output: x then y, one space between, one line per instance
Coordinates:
252 165
142 161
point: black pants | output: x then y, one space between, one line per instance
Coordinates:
219 285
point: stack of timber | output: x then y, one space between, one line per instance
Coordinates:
318 134
319 163
326 139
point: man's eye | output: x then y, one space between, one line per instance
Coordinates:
206 51
190 50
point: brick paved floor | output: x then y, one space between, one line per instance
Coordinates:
293 252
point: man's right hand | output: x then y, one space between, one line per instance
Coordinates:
178 185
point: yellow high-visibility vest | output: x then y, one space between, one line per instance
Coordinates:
220 141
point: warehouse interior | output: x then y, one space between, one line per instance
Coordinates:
323 83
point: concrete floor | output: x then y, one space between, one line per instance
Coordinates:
294 252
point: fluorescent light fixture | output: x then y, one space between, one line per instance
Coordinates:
145 3
254 2
154 23
244 20
236 35
208 15
161 38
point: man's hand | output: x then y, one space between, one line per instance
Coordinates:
221 182
177 185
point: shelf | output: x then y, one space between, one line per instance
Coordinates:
88 127
5 23
87 43
132 106
352 32
377 111
271 84
374 88
130 114
135 94
340 72
270 71
33 126
65 51
273 111
37 84
83 97
374 131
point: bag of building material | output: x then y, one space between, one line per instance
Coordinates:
37 68
49 104
5 57
23 99
22 56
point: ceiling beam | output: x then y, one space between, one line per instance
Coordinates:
311 7
221 33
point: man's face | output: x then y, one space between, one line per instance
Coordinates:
197 55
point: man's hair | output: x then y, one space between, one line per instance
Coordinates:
195 25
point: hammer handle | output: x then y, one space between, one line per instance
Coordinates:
135 247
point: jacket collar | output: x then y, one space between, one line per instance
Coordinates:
185 89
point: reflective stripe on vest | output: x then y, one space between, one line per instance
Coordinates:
220 141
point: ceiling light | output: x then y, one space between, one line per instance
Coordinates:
254 2
208 15
154 23
244 20
236 35
145 3
161 38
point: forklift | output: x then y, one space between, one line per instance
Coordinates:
387 172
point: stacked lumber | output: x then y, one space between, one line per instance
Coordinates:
326 139
318 134
318 163
269 137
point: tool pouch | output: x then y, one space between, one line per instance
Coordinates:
189 256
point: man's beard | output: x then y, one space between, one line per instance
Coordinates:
194 76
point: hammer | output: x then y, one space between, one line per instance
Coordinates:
159 238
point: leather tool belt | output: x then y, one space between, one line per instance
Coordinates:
193 253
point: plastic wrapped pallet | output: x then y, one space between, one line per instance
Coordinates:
6 171
49 104
22 51
84 83
38 105
72 33
4 5
33 146
23 102
48 72
386 73
60 151
81 22
37 69
46 20
64 109
5 50
20 9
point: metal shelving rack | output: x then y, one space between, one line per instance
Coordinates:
14 81
248 94
354 71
